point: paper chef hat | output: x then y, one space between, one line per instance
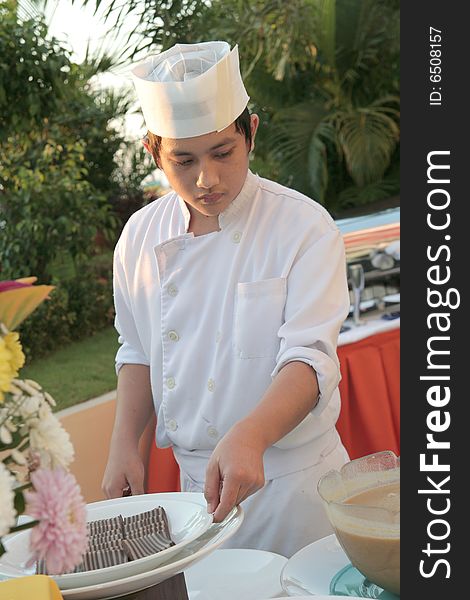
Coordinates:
191 89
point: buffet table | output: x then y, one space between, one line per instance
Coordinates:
370 398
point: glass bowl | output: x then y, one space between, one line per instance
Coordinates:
362 502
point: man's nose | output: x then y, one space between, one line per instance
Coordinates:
208 177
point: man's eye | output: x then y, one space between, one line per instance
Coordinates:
224 154
183 163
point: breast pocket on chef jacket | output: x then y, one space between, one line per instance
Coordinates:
259 313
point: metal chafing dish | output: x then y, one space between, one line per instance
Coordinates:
372 245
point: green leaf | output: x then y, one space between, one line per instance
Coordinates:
19 502
318 168
368 138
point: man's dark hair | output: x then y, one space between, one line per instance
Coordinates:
242 125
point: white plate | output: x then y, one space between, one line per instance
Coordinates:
235 574
392 298
187 521
310 570
193 552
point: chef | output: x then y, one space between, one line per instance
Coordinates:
230 292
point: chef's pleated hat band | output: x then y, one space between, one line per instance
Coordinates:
191 89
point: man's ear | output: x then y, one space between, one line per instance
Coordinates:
254 122
145 143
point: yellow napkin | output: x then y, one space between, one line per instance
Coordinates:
39 587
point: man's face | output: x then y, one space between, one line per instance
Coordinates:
207 171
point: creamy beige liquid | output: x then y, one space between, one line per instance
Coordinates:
374 549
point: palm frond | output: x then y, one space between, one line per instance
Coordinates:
377 190
318 168
366 39
368 136
327 31
296 142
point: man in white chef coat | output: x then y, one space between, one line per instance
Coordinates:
230 292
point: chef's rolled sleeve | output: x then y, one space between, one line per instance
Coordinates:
130 351
316 306
128 355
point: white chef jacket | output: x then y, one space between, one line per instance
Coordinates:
217 316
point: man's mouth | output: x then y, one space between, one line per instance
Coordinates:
210 198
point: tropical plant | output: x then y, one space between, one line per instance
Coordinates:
57 149
48 206
340 142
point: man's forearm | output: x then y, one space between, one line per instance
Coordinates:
134 406
288 400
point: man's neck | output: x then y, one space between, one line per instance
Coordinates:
200 224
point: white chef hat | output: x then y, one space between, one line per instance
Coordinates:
191 89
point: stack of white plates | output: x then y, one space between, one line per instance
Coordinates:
310 570
236 574
191 529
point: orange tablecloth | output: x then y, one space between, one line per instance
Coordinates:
370 399
163 471
370 394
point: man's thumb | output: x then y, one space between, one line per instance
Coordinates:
212 487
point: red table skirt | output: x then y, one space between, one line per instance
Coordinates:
370 394
370 406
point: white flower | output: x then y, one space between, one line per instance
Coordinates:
29 406
51 441
11 426
50 399
26 386
33 384
5 435
7 508
18 457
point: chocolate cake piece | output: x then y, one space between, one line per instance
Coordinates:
119 539
102 538
99 559
105 526
145 546
41 567
94 544
153 521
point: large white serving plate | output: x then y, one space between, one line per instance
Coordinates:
310 570
235 574
209 541
187 521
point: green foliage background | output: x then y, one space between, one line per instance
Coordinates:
62 180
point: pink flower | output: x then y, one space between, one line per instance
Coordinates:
61 534
12 285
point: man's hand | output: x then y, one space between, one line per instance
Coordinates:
134 410
125 469
235 470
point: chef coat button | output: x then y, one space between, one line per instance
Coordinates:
218 337
211 385
236 237
170 383
212 432
172 425
173 336
172 289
